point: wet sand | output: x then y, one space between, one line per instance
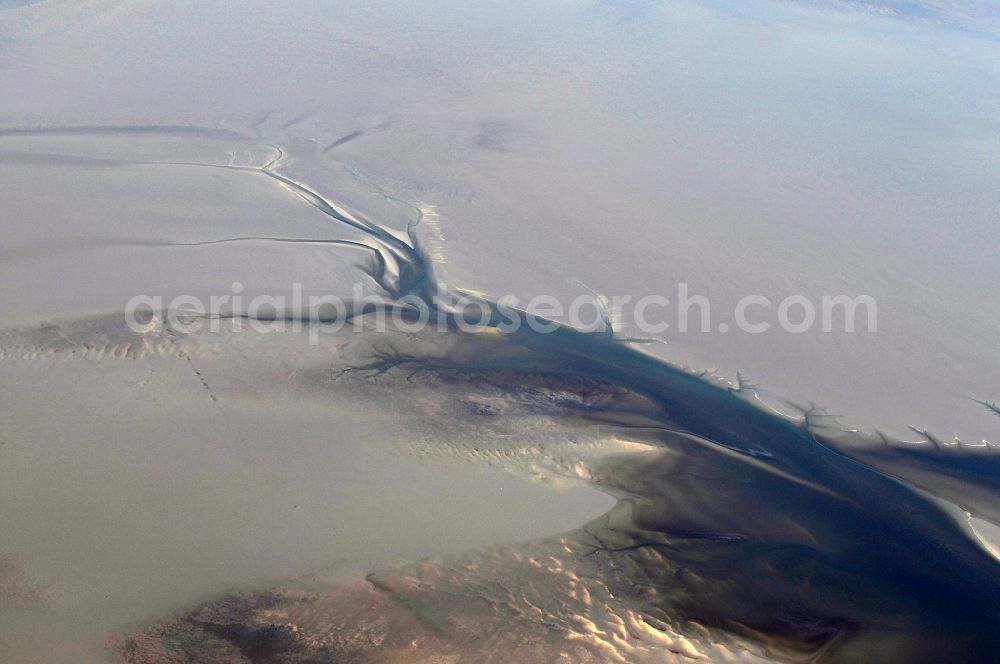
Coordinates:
494 496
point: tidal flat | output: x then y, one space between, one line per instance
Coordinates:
294 483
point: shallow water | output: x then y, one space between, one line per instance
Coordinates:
761 531
489 496
137 481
